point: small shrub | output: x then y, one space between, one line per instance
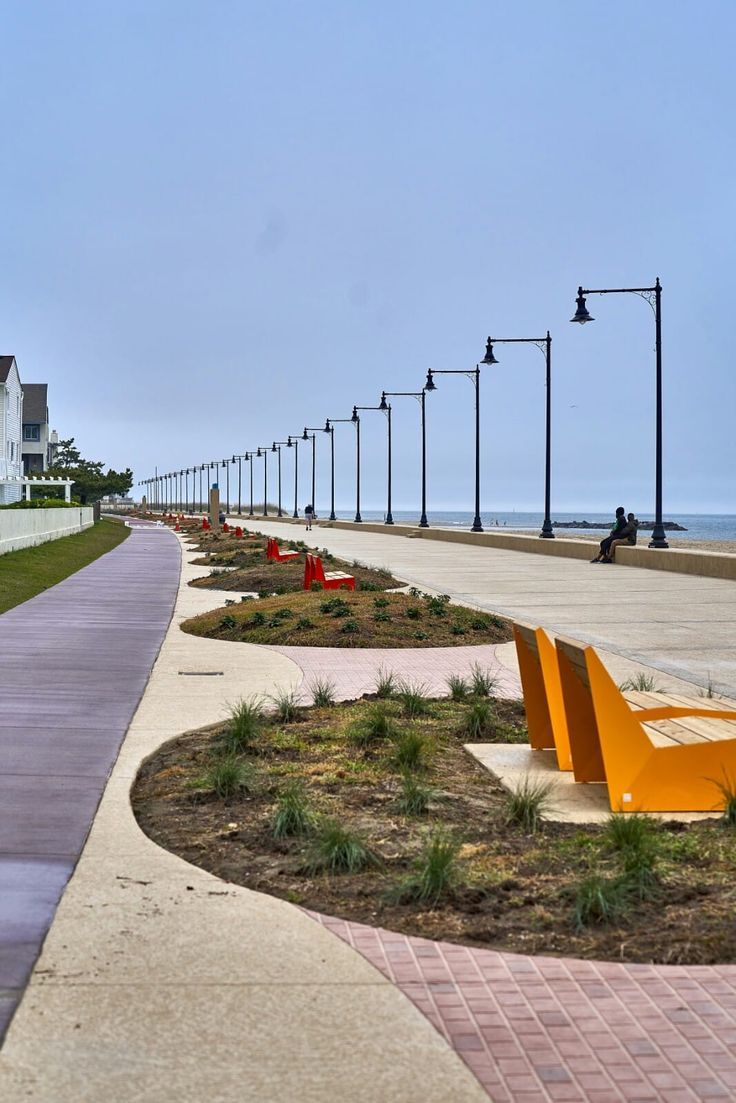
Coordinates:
413 697
247 597
245 724
437 604
482 682
304 622
257 620
381 602
335 607
350 627
642 683
286 705
228 776
435 870
323 692
385 683
413 612
458 687
598 900
376 725
420 635
292 814
364 585
528 803
336 849
415 795
228 622
229 601
314 586
382 616
412 752
478 624
414 592
264 593
457 630
727 788
478 719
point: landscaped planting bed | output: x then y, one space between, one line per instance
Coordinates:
373 811
343 619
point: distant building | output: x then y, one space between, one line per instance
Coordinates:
38 440
11 401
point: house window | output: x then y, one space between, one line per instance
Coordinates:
31 432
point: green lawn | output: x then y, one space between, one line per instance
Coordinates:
27 572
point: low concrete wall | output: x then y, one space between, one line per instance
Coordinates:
709 564
22 528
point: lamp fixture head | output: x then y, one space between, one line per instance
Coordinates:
489 358
581 314
273 446
383 404
288 442
327 428
305 435
258 454
430 385
354 416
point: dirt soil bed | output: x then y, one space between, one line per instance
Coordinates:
511 890
344 619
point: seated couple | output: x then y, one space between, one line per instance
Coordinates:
623 532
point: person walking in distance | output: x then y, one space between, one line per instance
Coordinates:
309 516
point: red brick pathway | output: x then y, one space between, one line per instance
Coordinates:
538 1030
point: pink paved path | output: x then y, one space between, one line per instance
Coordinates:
353 670
536 1030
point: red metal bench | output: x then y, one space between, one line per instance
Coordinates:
273 551
332 580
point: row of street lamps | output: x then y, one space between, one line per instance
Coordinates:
173 487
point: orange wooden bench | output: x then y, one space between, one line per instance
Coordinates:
273 551
332 580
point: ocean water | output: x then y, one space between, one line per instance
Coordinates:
699 526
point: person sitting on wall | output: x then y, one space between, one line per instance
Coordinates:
627 535
605 545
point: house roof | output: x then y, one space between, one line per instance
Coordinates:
6 363
35 399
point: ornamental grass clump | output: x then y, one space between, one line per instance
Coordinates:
412 752
477 720
385 683
244 725
337 849
599 901
415 796
482 681
323 692
637 842
641 683
414 699
435 870
528 804
286 705
227 777
292 814
727 788
375 726
458 687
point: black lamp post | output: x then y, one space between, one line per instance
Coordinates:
263 451
653 296
474 377
330 429
544 344
330 424
240 477
277 448
226 465
384 408
293 442
420 397
306 435
201 469
355 418
249 457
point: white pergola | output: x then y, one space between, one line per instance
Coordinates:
26 482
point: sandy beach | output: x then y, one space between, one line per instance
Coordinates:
726 546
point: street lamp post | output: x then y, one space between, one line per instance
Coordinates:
293 442
249 457
384 408
308 434
544 344
226 465
474 377
277 448
330 424
653 296
263 451
420 397
355 418
240 478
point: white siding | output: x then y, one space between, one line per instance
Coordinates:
11 462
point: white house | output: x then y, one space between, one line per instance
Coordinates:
11 407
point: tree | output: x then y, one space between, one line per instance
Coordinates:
90 482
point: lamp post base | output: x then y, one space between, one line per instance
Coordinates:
332 516
477 526
547 533
659 540
389 519
423 522
358 519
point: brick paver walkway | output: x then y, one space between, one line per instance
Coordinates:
353 671
560 1030
74 662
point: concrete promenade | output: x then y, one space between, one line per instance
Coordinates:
159 982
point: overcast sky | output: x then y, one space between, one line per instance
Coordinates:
223 220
